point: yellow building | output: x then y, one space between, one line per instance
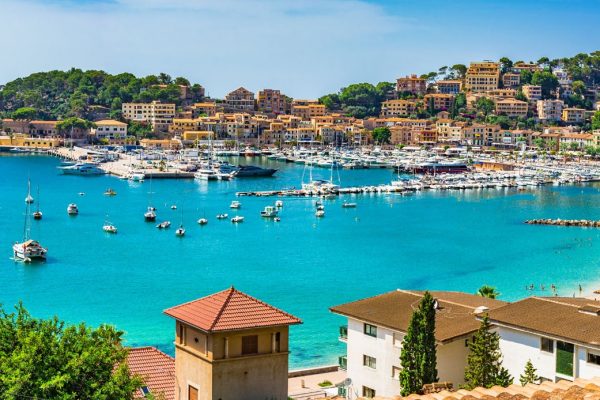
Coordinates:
24 140
512 108
158 115
396 108
482 76
160 143
511 80
207 108
306 112
272 101
230 345
438 101
197 135
240 100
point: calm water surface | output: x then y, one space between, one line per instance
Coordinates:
304 265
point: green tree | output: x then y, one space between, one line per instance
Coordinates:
458 71
578 88
547 81
73 122
484 362
526 76
25 113
539 143
596 120
488 291
48 359
505 64
381 135
529 375
418 355
182 81
484 105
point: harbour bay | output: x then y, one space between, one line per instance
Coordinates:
455 240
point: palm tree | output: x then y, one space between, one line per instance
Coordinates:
488 291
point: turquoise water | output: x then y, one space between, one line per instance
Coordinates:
443 240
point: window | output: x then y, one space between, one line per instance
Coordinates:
181 333
593 358
370 330
145 391
395 372
369 361
278 342
192 393
547 345
250 344
368 392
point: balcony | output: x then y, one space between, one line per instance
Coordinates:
343 333
343 362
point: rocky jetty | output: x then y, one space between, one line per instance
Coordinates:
584 223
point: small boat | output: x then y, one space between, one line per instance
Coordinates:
173 207
137 176
180 232
222 216
276 219
37 215
235 204
110 192
348 205
72 209
150 215
320 207
237 219
279 204
164 225
109 228
202 221
269 212
81 193
29 198
320 213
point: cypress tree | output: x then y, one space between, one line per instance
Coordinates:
484 363
418 355
529 375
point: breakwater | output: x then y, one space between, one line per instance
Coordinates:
584 223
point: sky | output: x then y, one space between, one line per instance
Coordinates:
305 48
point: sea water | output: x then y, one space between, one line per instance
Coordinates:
454 240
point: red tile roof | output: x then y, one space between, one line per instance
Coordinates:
156 368
229 310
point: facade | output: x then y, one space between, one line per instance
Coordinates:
561 336
522 66
396 108
482 77
580 140
550 110
207 108
532 92
481 134
109 129
411 84
512 108
240 100
230 345
308 111
450 86
573 115
158 115
271 101
376 328
438 101
24 140
511 80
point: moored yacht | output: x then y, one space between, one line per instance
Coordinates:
269 212
180 232
86 169
150 214
72 209
29 250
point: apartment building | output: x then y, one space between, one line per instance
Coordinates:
158 115
271 101
411 84
480 134
376 327
482 76
581 140
449 86
512 108
308 111
511 80
240 100
109 129
523 66
206 108
573 115
438 101
532 92
549 110
449 131
396 108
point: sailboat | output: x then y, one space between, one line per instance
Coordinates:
28 250
181 230
29 198
108 227
38 214
150 214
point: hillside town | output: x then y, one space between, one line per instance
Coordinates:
488 105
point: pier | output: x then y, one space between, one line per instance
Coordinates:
583 223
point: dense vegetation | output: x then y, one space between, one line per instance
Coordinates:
359 100
47 359
77 93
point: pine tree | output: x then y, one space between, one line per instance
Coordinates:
484 363
530 374
418 355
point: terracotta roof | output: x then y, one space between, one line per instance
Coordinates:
229 310
455 316
110 122
156 368
553 316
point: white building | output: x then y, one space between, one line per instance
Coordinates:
158 115
376 328
561 336
550 110
109 129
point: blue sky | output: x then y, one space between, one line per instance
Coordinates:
306 48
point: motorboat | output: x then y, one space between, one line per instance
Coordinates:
235 204
29 250
137 176
237 219
109 228
202 221
110 192
150 214
320 213
72 209
207 175
86 169
348 205
29 197
222 216
180 232
276 219
320 207
173 207
269 212
37 214
164 225
251 171
279 204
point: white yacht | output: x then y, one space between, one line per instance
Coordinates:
207 175
87 169
180 231
348 205
269 212
72 209
37 214
109 228
235 204
28 250
237 219
202 221
222 216
164 225
150 214
320 213
137 176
